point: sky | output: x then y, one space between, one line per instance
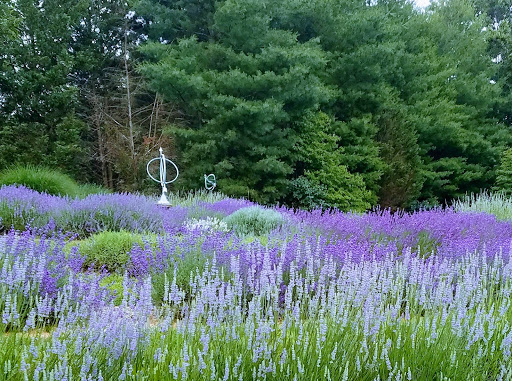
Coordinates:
422 3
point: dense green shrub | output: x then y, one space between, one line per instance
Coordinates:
254 220
40 179
504 173
307 194
110 250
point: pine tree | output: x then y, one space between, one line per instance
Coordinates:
9 22
36 92
241 94
324 181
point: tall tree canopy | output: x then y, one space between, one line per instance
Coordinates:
37 115
311 103
243 92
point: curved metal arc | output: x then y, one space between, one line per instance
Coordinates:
210 182
160 181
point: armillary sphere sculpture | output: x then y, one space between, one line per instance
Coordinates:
163 176
210 182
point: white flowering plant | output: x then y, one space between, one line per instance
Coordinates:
206 224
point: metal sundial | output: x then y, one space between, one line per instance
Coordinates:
163 176
210 182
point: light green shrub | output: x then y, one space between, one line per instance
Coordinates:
110 250
46 180
254 220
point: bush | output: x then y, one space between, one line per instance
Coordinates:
325 180
254 220
504 173
110 250
307 194
85 190
40 179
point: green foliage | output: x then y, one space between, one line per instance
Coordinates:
307 194
254 220
68 152
110 250
402 179
40 179
172 20
362 151
504 173
418 108
23 143
324 180
8 22
241 91
114 283
34 143
424 83
38 123
459 140
85 190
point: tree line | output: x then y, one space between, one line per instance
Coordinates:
308 103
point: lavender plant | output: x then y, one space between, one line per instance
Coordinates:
328 296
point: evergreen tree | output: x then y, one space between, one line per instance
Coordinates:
459 138
324 181
8 21
35 88
241 95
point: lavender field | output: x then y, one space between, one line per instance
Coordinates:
221 289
